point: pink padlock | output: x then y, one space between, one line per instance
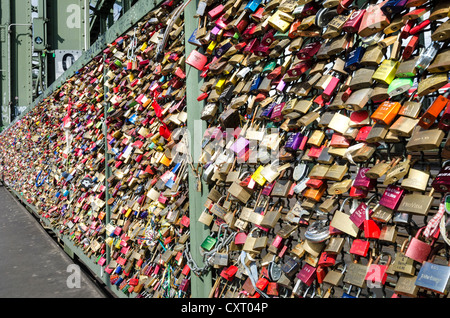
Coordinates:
307 274
392 197
363 182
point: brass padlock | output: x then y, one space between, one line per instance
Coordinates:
411 108
358 99
339 123
442 33
417 180
416 203
380 93
319 171
328 205
372 56
364 153
397 171
316 138
403 126
422 139
432 84
377 133
395 25
340 187
336 172
441 63
362 78
379 169
382 214
407 68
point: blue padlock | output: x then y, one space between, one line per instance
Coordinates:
393 6
255 83
268 111
353 60
252 5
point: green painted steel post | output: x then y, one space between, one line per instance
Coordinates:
107 157
200 286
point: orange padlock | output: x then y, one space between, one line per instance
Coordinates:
432 113
386 112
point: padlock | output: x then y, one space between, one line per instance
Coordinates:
377 273
354 21
385 73
399 86
307 274
402 263
386 112
416 204
397 171
442 32
406 286
342 222
388 233
354 58
431 114
427 56
417 249
417 180
356 273
444 122
432 276
407 68
403 126
358 216
441 182
373 21
347 292
440 63
335 276
422 139
392 197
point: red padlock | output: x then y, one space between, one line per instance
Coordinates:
419 27
444 122
419 250
377 273
410 47
359 247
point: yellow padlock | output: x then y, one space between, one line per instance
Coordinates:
127 214
276 22
258 177
385 73
165 160
211 47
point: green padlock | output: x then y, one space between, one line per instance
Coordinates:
269 67
208 243
399 86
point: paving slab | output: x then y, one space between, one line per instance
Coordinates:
32 264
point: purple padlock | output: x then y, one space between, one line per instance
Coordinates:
276 115
293 142
240 146
281 86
